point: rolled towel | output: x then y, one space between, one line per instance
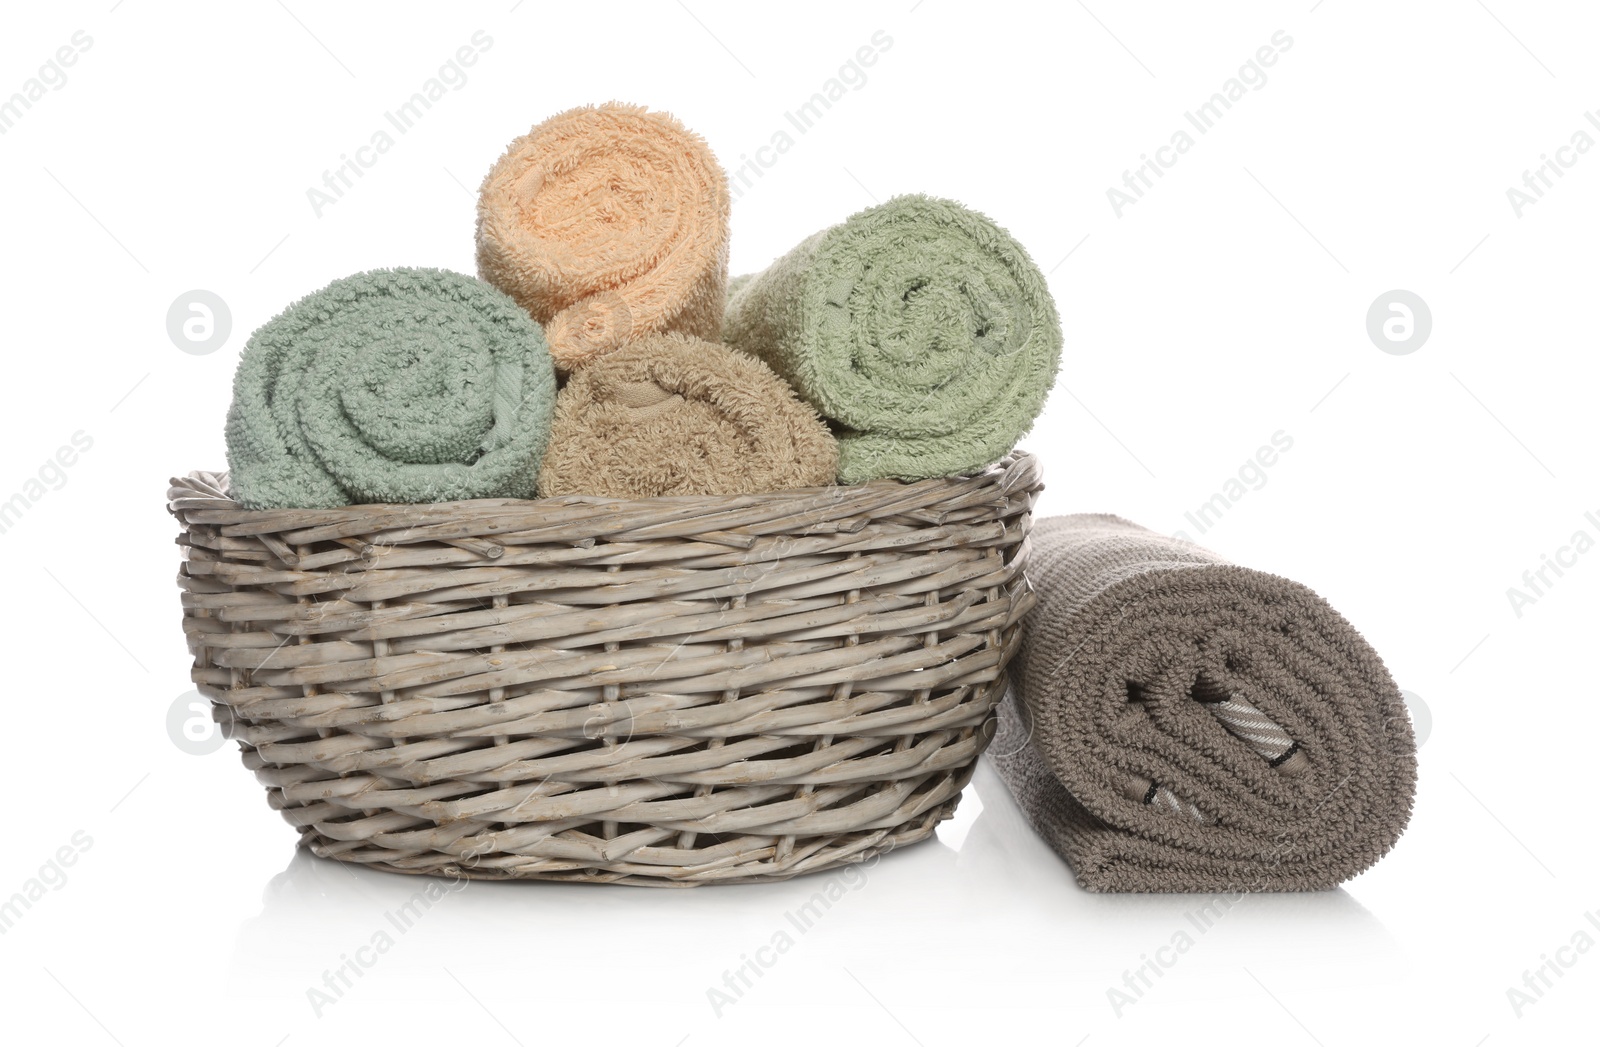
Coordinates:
921 329
1180 723
395 385
670 414
607 223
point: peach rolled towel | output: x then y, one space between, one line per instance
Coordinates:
671 414
607 223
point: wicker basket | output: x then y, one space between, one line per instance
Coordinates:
667 691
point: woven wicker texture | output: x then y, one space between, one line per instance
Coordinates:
667 691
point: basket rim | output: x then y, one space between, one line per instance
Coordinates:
208 489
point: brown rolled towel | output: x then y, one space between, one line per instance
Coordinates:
670 414
607 223
1181 723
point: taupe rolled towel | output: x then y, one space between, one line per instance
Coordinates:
1181 723
671 414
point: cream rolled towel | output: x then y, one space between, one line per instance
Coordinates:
608 223
1181 723
675 415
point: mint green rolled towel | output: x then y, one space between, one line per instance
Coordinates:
919 328
395 385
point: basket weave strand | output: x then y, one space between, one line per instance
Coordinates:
666 691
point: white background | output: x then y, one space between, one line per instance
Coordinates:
1227 304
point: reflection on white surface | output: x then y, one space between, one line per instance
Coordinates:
987 886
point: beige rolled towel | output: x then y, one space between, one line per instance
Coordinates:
608 223
671 414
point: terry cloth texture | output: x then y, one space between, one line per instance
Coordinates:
608 223
395 385
921 329
1181 723
670 414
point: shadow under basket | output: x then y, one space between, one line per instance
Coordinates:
665 691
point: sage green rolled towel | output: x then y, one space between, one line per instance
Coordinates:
919 328
395 385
